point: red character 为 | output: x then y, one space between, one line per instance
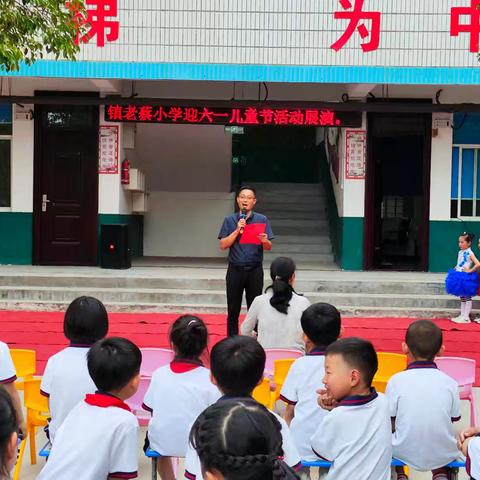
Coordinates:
355 16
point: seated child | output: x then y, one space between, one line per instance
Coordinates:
8 434
469 443
66 380
237 365
356 434
238 440
98 439
182 389
321 327
423 403
7 379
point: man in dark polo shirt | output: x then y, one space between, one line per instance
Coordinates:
245 261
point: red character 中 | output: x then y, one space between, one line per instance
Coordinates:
355 16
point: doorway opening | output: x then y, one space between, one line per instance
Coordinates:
397 191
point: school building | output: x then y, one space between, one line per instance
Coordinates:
376 102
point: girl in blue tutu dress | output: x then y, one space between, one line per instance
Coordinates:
462 281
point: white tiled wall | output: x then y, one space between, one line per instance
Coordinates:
282 32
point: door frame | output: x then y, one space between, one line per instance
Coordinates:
369 223
37 178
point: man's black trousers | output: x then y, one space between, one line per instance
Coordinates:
239 279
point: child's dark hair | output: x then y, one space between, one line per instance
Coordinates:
237 364
113 362
8 426
424 339
86 321
359 354
246 187
321 323
242 440
468 237
188 336
281 270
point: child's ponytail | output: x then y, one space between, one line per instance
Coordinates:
281 271
468 237
188 336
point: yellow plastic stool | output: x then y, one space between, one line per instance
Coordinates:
388 365
280 371
263 394
25 362
37 412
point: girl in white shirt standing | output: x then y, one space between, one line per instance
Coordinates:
277 312
178 393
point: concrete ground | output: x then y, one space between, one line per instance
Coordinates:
30 472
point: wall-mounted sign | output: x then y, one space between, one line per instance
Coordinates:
308 117
356 147
108 149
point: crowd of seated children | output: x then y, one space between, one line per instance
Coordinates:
237 365
8 434
98 439
66 380
178 393
356 434
348 424
240 440
7 379
423 403
321 325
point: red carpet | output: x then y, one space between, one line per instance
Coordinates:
43 332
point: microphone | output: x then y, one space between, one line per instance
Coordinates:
243 216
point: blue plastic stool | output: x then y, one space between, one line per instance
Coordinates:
453 466
154 456
45 451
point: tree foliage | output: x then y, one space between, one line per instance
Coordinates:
30 29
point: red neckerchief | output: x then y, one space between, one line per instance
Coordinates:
181 365
105 400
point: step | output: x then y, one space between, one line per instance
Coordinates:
300 215
302 239
300 223
322 258
267 187
291 208
324 247
280 229
305 282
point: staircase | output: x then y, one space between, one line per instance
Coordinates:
298 216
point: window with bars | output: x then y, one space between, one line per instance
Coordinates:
465 197
5 154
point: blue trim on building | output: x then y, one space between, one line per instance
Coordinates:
251 73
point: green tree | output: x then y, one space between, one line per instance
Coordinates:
30 29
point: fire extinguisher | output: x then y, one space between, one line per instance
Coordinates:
125 172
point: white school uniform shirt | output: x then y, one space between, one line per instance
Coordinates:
357 437
65 382
177 395
7 369
193 468
424 402
304 378
473 458
275 329
97 440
